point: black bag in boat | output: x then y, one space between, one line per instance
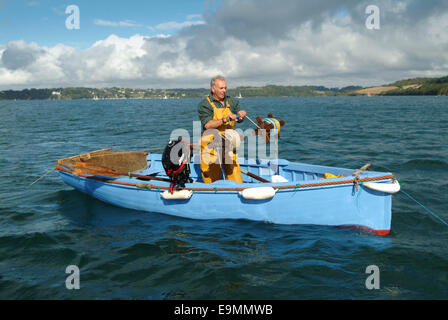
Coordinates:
176 162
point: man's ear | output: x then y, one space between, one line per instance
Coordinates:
282 123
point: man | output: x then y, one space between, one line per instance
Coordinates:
218 112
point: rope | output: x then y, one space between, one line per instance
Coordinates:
289 187
46 173
432 213
356 181
310 185
424 207
252 122
90 157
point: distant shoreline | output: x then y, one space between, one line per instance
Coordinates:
252 97
409 87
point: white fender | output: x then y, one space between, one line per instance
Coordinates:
391 188
177 195
260 193
277 178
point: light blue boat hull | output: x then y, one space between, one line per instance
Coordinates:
332 205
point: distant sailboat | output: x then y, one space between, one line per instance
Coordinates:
239 96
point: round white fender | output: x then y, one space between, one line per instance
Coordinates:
177 195
391 188
260 193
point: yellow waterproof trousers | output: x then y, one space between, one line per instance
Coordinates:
213 157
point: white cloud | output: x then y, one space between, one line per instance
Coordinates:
105 23
173 25
336 51
126 23
194 16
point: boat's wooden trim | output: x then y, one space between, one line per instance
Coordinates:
107 159
87 155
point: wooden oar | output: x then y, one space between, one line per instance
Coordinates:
254 176
95 169
149 177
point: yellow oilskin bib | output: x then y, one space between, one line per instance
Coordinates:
211 160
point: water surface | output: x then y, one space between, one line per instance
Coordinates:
129 254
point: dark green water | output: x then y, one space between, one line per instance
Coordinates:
127 254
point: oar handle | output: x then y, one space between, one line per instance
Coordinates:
254 176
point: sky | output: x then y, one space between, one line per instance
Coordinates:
182 44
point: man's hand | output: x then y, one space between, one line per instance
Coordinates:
231 117
242 114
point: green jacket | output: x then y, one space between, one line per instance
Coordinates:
205 109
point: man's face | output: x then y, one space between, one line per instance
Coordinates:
220 89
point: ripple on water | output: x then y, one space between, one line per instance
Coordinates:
126 254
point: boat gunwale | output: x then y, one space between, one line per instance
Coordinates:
281 186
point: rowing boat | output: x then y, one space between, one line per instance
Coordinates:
292 192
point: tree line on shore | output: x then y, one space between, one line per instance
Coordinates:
416 86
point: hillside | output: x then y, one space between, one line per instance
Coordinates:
126 93
416 86
409 87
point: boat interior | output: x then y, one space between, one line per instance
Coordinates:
278 170
119 163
